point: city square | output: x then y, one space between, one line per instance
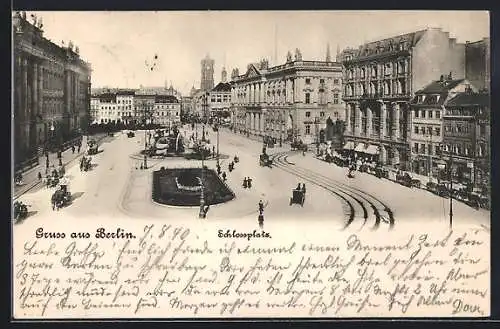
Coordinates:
353 140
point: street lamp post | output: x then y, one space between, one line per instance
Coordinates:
202 213
450 177
217 128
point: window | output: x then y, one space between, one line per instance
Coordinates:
438 114
416 129
430 114
308 129
430 148
308 81
308 114
417 112
423 148
415 147
423 114
321 80
429 130
322 114
438 131
335 98
308 98
335 81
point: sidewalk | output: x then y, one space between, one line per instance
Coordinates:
30 177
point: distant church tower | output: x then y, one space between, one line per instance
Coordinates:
328 56
207 74
224 75
337 58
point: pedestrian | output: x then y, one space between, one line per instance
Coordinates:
47 162
261 207
224 176
249 182
39 176
245 183
261 220
60 162
73 149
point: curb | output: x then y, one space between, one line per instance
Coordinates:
37 182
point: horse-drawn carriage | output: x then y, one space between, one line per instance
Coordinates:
298 146
130 134
406 180
93 147
85 163
60 198
20 211
298 197
265 161
438 189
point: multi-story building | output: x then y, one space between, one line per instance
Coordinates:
112 106
477 63
207 74
166 110
466 122
51 89
125 106
292 101
426 122
219 100
144 106
380 79
186 107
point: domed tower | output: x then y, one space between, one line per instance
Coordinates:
207 74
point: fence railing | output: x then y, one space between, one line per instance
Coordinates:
26 164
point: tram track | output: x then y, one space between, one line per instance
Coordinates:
355 201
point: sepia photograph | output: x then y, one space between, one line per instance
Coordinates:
173 164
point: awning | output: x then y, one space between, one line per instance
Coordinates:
349 146
372 149
360 148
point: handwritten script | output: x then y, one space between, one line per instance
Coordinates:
170 271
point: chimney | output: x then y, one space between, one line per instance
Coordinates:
450 76
441 78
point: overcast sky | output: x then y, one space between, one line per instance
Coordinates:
117 44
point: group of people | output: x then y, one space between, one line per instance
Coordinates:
301 188
247 182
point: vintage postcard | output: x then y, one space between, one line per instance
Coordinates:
228 164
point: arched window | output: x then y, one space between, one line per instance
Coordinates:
361 89
374 71
386 89
373 89
363 73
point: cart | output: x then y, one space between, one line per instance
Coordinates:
298 197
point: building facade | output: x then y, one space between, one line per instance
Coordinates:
51 89
477 63
287 102
186 107
380 79
207 74
112 106
219 100
466 138
167 110
426 130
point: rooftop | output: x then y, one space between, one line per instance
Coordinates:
440 86
470 99
222 86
